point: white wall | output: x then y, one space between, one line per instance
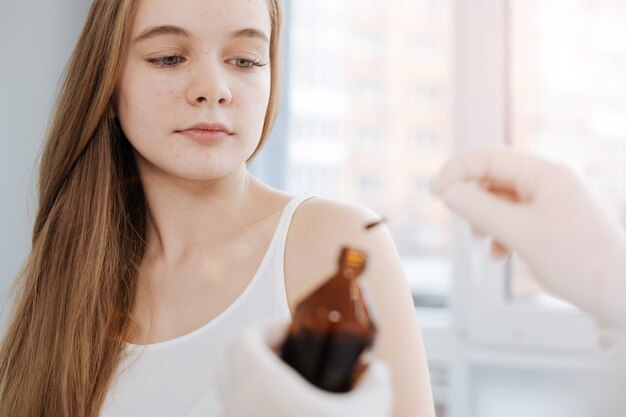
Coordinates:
37 40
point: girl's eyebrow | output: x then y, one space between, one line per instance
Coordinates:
153 31
250 33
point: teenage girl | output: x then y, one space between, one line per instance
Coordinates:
153 245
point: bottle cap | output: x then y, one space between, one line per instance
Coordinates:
351 257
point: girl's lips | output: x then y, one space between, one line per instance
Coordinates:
205 136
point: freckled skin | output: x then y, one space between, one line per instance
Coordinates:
154 103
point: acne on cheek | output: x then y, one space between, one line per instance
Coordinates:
159 87
157 93
163 96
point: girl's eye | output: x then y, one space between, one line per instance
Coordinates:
171 61
247 64
166 61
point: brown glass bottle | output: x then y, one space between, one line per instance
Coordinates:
332 327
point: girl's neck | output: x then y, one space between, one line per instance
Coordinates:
184 219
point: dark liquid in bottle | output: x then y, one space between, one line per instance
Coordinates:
327 360
331 328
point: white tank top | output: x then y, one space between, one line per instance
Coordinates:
175 377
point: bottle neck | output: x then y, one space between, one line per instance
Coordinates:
349 272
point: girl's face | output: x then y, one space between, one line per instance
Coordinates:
197 61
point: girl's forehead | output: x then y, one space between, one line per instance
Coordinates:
202 17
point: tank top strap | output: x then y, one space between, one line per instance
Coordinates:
285 221
278 249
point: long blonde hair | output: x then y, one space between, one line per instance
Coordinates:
74 295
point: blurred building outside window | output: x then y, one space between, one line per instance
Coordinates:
568 100
388 97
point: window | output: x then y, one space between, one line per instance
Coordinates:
568 102
425 96
395 111
425 140
377 102
370 139
487 297
426 51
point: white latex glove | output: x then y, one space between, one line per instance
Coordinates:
254 381
543 211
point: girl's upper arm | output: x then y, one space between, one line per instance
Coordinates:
319 229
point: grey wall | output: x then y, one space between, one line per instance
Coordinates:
36 40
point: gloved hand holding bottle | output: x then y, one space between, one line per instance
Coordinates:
254 381
543 211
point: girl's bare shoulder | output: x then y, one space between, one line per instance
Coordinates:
321 219
320 227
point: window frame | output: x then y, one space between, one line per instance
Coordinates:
482 112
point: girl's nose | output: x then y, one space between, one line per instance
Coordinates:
209 83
